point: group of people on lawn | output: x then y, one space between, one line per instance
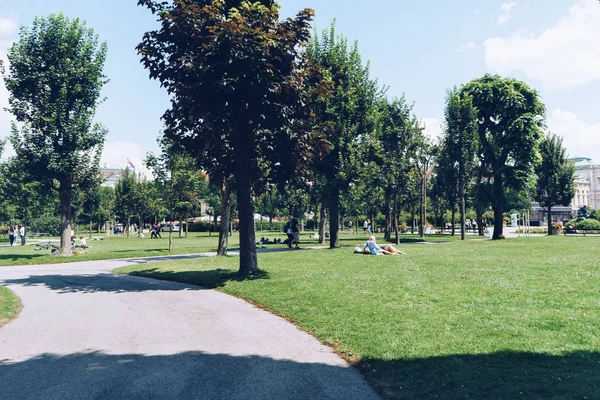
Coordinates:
292 229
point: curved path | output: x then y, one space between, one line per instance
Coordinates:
85 333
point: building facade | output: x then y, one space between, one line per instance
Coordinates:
587 193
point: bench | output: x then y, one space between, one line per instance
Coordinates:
581 231
40 234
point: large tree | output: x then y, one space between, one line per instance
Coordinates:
510 119
460 145
350 110
54 79
237 80
397 131
555 176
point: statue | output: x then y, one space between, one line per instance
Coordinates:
583 213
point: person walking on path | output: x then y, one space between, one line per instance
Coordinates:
22 234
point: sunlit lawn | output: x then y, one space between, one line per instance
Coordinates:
113 247
9 305
517 318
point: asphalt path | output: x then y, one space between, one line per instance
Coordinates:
85 333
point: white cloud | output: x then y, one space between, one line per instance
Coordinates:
579 138
432 127
116 154
505 10
8 27
564 56
467 46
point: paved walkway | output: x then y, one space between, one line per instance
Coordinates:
85 333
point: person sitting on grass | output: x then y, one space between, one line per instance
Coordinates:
82 243
386 249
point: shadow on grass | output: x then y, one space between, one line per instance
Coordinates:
165 249
504 375
16 257
183 375
207 279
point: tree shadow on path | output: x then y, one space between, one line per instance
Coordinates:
98 283
188 375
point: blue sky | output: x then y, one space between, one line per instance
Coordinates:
417 48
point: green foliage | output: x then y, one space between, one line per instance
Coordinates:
127 197
47 223
555 174
54 83
350 114
587 224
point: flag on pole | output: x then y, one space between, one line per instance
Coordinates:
130 164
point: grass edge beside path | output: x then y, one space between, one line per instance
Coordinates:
10 305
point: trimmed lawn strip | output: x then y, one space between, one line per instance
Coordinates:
115 247
10 305
474 319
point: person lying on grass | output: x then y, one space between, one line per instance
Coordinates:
375 249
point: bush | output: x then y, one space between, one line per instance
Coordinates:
588 224
202 226
46 223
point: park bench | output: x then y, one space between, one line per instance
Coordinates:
40 234
581 231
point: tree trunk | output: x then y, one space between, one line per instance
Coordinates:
461 195
248 260
453 221
180 226
395 221
226 192
388 218
170 240
479 217
423 203
128 225
140 226
498 208
65 195
322 225
334 218
549 220
91 223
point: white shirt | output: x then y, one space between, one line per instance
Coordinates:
22 231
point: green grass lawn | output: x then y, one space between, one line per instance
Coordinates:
9 305
114 247
517 318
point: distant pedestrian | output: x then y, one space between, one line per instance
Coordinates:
350 226
158 228
295 232
22 234
287 228
365 226
11 235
